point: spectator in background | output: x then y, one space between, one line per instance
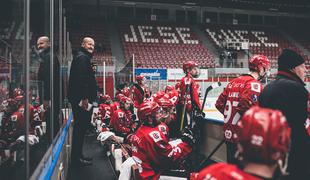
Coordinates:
82 93
229 60
289 95
234 56
241 64
222 58
46 86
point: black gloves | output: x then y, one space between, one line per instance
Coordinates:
201 115
188 137
133 117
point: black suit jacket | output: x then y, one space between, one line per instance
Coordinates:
288 94
44 76
82 80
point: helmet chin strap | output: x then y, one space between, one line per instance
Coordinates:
283 165
265 75
260 78
164 118
195 76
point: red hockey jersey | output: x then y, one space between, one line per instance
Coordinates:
138 97
239 95
162 127
12 126
34 117
105 111
114 106
121 122
190 96
153 152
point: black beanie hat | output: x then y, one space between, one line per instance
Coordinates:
289 59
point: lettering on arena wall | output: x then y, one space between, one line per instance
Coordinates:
256 38
151 74
168 34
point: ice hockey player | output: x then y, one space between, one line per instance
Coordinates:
140 91
34 116
115 104
172 94
12 124
121 120
13 127
123 89
239 95
168 115
188 94
169 88
157 96
263 145
151 149
105 109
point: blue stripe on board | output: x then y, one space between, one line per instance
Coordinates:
50 165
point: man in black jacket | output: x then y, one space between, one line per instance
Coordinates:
82 92
288 94
44 77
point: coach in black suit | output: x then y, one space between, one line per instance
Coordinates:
44 77
82 91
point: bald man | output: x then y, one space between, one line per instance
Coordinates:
43 43
44 77
82 92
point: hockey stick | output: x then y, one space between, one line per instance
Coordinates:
212 86
202 164
139 88
184 107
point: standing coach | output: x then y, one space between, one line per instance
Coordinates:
289 95
82 92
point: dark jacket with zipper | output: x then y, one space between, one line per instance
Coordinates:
289 95
82 80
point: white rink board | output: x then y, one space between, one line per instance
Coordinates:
211 111
171 178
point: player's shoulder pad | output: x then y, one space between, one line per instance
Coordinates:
163 128
155 135
256 86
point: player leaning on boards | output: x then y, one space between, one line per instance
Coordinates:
239 95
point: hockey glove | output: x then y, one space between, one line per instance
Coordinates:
188 137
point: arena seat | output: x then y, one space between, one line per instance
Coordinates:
99 33
301 36
159 45
262 40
